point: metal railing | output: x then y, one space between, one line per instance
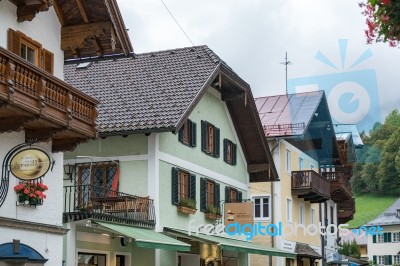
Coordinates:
88 201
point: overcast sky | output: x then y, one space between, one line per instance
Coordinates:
252 36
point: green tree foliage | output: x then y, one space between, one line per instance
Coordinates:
350 249
378 166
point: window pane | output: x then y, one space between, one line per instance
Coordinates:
257 201
31 55
257 211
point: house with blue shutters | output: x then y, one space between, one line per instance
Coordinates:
383 249
179 137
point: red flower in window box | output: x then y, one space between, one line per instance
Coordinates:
31 192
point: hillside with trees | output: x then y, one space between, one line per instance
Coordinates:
377 170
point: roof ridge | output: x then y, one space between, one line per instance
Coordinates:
171 50
296 93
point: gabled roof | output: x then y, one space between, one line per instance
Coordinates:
304 250
92 28
303 119
388 217
155 92
343 130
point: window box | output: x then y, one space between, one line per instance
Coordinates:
212 216
187 206
185 210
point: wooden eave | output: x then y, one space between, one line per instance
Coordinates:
27 10
92 29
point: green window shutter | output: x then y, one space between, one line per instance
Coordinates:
386 260
239 196
180 134
217 197
374 259
385 237
203 194
234 152
390 259
227 199
193 134
374 239
389 237
225 150
216 142
192 184
203 135
174 186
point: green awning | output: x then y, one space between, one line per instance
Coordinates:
146 238
236 245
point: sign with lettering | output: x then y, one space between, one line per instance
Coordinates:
240 212
30 164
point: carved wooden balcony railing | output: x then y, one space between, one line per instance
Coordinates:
45 106
87 201
346 211
310 185
340 186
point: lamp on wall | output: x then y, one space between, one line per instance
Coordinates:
69 170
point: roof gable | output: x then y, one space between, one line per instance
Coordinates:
157 91
389 217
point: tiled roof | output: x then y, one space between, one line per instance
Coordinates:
389 217
305 250
287 115
146 93
349 128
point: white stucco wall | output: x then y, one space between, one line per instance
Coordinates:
44 28
383 249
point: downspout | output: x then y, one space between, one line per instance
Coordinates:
272 201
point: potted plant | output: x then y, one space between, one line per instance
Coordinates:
212 213
31 193
187 206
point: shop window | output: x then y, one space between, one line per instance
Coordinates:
89 259
187 134
30 50
209 194
230 151
209 139
183 186
232 195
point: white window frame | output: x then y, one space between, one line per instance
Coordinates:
288 161
397 238
312 216
380 260
302 213
396 259
301 163
289 213
262 197
380 238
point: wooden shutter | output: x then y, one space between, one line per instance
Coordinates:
174 185
14 42
203 135
227 195
47 61
203 194
216 142
180 134
374 239
225 150
234 152
192 192
217 197
193 134
239 196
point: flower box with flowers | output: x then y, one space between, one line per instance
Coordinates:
31 193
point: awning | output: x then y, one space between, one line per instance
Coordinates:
304 250
146 238
25 253
234 244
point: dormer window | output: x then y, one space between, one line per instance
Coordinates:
398 213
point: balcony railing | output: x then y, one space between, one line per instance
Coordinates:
34 94
340 186
346 209
87 201
310 185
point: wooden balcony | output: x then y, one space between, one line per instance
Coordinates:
90 202
346 211
44 106
340 186
310 185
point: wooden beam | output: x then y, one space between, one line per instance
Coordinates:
82 10
8 124
42 134
59 13
97 46
26 11
255 168
77 36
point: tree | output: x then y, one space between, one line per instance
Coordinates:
350 249
383 21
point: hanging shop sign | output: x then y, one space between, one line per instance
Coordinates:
30 164
239 212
